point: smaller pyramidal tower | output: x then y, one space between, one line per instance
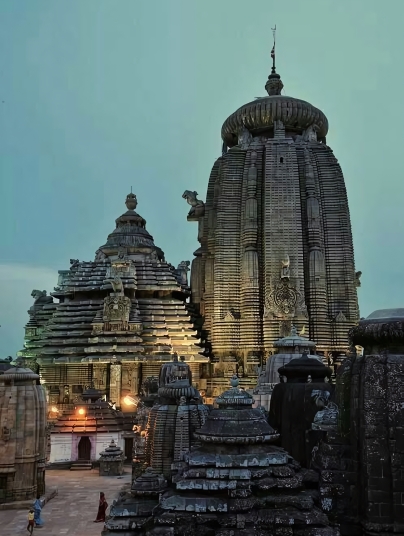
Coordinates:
110 323
275 235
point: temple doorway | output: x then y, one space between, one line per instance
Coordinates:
84 449
128 449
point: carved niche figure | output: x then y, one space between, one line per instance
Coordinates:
182 270
310 134
244 136
117 285
5 433
116 309
285 270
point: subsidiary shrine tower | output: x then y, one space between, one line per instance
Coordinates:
275 235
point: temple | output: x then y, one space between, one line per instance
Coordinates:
275 238
110 323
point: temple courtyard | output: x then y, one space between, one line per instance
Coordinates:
73 510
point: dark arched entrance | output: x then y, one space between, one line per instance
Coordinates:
84 449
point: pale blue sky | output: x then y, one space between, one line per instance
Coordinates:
99 95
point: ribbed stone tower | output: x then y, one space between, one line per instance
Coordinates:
275 234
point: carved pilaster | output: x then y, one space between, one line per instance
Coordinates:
317 288
250 303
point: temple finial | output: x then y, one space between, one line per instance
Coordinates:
131 201
274 83
273 50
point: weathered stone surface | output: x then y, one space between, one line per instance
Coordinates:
22 435
275 238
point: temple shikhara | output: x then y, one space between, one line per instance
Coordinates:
240 397
275 236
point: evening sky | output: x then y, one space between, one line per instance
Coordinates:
97 96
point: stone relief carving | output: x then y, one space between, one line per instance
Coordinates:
285 301
244 137
5 433
358 276
116 309
285 270
117 285
182 270
340 317
326 418
197 206
192 199
310 134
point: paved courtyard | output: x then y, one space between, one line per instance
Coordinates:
73 511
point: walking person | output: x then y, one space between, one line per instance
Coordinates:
37 512
102 508
30 526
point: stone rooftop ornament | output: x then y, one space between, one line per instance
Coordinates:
111 460
275 237
113 321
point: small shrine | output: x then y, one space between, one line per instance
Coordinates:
288 348
111 460
79 435
174 419
296 402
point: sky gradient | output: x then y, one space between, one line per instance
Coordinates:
97 96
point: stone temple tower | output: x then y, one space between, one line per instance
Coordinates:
275 234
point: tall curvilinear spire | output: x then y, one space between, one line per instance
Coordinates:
275 236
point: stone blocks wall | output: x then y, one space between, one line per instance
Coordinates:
377 433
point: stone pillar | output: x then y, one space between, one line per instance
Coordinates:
377 421
22 434
115 384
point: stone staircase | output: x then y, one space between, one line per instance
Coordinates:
81 465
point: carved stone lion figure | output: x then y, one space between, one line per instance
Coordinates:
40 296
74 263
192 199
310 134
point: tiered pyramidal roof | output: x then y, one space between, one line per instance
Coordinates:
128 304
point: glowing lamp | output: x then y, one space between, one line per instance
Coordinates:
81 411
130 401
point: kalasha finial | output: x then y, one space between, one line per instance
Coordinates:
234 381
131 201
274 84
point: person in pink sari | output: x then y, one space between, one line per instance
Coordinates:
102 508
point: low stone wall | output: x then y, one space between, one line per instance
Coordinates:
23 505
